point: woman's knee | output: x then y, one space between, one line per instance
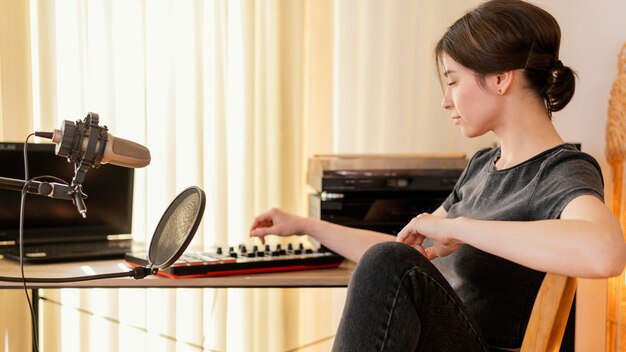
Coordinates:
390 256
381 252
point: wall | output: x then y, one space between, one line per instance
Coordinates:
593 34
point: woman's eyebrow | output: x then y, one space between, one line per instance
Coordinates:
447 72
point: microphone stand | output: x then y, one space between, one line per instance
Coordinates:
84 157
70 147
49 189
53 190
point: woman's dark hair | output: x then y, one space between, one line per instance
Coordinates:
504 35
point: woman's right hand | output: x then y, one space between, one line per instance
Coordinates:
277 222
430 226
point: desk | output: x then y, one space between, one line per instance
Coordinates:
337 277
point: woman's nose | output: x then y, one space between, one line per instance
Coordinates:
445 101
445 104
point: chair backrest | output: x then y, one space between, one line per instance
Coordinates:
549 315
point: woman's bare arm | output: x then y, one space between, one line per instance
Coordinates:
586 241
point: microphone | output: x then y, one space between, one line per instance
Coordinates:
89 145
75 142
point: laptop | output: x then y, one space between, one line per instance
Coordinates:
54 231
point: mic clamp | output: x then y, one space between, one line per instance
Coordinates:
71 147
73 135
61 191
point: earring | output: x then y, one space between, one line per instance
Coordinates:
499 91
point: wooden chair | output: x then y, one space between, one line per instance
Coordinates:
549 315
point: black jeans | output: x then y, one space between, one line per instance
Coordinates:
398 301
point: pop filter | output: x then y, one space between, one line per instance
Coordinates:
173 234
176 228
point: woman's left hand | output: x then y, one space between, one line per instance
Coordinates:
429 226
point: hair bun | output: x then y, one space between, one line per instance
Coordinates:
560 86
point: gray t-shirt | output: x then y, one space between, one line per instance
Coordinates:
499 293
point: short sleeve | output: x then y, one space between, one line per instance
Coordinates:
567 175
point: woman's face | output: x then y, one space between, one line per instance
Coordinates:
472 107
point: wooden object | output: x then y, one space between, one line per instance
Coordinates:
549 315
616 156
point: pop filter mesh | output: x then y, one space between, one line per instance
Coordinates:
177 227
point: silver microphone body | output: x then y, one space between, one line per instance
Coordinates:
117 151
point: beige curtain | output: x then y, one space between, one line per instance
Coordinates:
214 89
232 96
15 122
15 73
386 95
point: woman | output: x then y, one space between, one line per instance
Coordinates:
531 205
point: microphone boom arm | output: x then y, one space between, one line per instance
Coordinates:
48 189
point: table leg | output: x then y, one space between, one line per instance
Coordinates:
35 317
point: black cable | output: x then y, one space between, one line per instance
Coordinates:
21 240
137 272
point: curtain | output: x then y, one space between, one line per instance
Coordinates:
232 96
387 97
213 89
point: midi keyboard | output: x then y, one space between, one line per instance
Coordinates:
243 260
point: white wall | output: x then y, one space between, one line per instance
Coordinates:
593 33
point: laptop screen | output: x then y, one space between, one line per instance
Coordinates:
109 202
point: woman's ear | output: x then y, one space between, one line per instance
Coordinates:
502 82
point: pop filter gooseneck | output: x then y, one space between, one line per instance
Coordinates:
173 234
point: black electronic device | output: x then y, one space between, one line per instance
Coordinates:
221 261
51 223
380 192
384 173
